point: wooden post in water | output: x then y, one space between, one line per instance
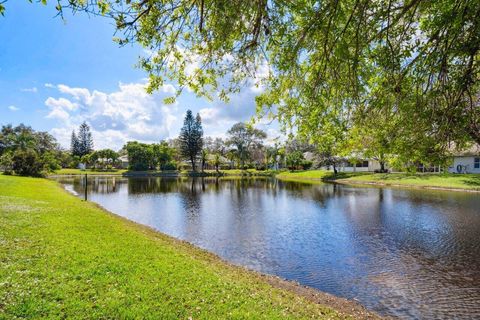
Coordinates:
86 181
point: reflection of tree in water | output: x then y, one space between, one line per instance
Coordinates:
102 185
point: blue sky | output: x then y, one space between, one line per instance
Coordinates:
54 74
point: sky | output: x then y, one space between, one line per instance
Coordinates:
55 74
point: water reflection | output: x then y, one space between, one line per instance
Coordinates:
407 253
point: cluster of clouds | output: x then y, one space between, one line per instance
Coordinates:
115 118
130 113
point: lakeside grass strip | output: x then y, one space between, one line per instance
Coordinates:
64 258
447 181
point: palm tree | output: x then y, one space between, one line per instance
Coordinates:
203 158
216 161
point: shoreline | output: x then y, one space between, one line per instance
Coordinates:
374 183
404 186
343 181
345 307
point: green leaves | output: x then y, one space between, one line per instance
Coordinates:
330 63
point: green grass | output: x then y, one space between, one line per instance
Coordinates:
68 171
64 258
432 180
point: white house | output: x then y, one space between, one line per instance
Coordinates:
123 160
466 161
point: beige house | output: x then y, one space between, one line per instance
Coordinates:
466 161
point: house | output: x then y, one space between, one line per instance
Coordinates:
123 161
345 165
466 160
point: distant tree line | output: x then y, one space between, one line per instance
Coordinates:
27 152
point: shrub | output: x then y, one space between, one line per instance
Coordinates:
169 166
306 164
27 163
6 163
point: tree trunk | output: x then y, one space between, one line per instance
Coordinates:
382 166
335 171
193 163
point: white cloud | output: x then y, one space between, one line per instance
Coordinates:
116 117
33 90
13 108
49 85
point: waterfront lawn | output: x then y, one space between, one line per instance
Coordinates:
433 180
64 258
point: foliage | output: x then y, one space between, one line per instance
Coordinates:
295 160
139 156
216 161
85 140
163 156
142 156
104 157
75 145
244 138
6 163
329 62
28 152
203 158
191 138
27 163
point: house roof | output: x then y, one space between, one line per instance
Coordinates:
123 158
473 150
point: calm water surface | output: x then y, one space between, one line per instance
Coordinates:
406 253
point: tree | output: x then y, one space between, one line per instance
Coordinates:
85 141
6 163
106 157
140 156
75 145
243 138
216 161
28 152
163 155
203 158
324 58
295 160
190 139
27 163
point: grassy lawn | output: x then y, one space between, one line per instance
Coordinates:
64 258
444 180
89 171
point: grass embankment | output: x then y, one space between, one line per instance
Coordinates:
420 180
64 258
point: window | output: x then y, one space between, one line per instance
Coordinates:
362 164
476 163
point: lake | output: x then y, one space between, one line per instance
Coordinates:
408 253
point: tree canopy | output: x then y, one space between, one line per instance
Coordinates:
244 139
324 66
191 138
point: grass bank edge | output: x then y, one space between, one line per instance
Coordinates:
447 181
276 295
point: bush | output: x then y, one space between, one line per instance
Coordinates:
306 164
6 163
169 166
49 161
27 163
